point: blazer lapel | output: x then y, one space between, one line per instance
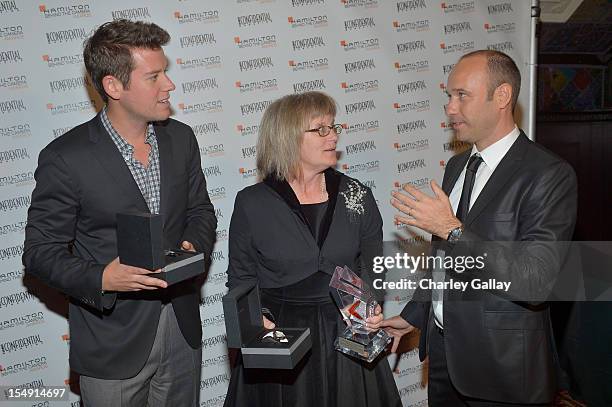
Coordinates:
502 174
165 165
332 184
106 153
452 174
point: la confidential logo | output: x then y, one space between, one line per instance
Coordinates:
456 28
13 299
255 107
361 147
16 203
360 107
308 43
66 36
199 85
69 84
410 5
412 126
255 64
8 6
501 8
12 106
10 56
254 19
410 165
357 66
204 129
137 13
197 40
359 23
411 46
501 46
308 86
14 154
410 87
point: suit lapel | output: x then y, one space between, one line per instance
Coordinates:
502 174
165 164
332 183
451 176
108 156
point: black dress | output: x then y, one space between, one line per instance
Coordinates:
324 377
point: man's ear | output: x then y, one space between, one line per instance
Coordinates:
503 95
112 86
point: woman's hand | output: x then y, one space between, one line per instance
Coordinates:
373 322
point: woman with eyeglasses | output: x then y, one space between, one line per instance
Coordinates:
287 234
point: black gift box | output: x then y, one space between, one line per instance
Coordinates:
140 244
244 327
180 265
140 240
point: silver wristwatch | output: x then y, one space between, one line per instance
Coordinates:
455 234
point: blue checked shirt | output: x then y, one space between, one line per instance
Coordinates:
147 178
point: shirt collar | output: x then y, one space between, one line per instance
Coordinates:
123 146
494 153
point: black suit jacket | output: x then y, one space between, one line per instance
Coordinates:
500 347
82 182
271 242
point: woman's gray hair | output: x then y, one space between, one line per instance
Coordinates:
282 129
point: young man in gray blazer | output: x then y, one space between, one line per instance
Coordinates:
134 341
494 347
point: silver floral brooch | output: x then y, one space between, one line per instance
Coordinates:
353 198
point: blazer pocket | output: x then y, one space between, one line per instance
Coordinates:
513 320
500 216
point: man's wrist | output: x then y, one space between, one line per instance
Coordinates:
456 223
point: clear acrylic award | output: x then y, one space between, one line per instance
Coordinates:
356 303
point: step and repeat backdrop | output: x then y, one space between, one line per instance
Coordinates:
385 62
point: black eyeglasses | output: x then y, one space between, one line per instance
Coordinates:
324 130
